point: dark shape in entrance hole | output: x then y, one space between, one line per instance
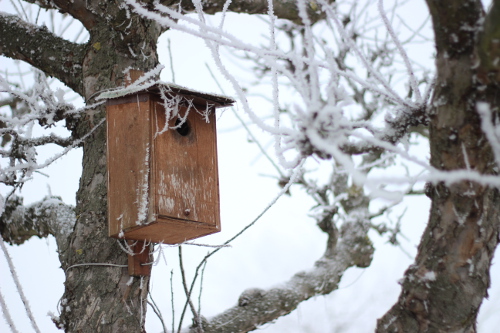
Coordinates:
184 129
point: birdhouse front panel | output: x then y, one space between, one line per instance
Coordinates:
187 180
162 166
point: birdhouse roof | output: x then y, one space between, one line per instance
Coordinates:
196 97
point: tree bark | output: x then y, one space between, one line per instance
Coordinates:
79 9
443 290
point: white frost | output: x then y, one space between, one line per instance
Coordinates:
429 276
143 191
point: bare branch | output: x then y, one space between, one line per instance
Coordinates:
187 293
52 138
77 8
19 287
40 48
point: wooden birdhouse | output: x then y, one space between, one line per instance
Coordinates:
163 183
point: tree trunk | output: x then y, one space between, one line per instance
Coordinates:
104 298
443 290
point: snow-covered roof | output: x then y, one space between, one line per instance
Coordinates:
156 88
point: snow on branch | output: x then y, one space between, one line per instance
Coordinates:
256 307
6 314
49 216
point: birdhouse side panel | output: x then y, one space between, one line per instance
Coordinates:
185 167
129 155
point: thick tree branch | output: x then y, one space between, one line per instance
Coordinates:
47 217
40 48
282 8
77 8
256 306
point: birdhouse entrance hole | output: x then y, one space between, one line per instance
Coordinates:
182 128
163 184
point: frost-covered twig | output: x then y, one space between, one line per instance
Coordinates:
18 285
284 190
402 52
201 292
18 173
187 294
6 314
332 16
157 311
247 129
38 105
172 299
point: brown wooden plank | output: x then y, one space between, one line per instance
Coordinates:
139 264
128 152
133 75
170 231
185 169
141 97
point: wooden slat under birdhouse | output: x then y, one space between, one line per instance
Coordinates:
163 182
140 262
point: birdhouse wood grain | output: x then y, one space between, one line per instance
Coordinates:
163 183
